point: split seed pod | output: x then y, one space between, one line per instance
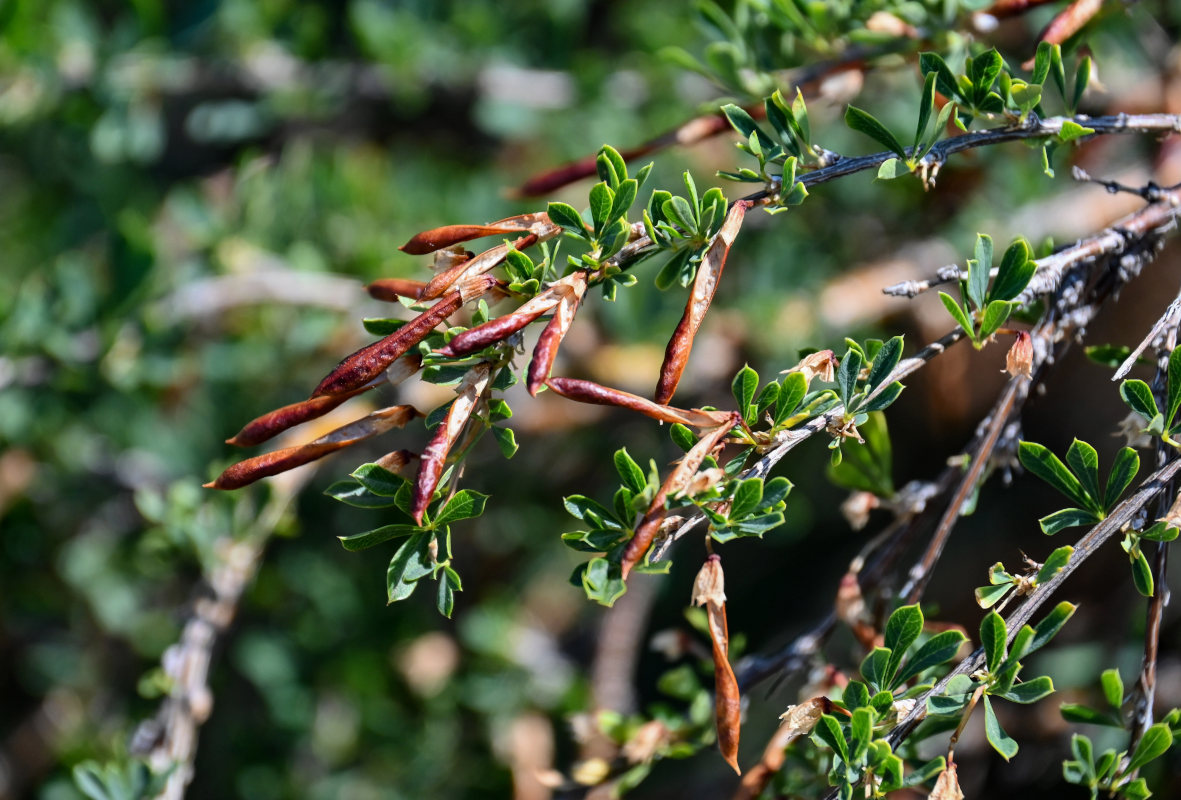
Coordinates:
676 355
554 332
252 469
449 235
709 591
434 456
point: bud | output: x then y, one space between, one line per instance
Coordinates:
1019 361
947 787
710 584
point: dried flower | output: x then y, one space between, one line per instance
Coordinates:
802 718
650 739
1019 361
1132 428
850 605
857 506
821 364
710 585
947 786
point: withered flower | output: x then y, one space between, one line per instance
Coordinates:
821 364
1019 360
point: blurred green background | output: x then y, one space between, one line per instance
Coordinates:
192 195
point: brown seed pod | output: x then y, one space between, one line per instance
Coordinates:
390 289
676 355
369 362
554 332
597 394
252 469
678 479
275 422
434 455
448 235
708 591
478 265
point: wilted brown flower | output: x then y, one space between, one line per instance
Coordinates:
802 718
1019 361
710 585
947 786
821 364
856 508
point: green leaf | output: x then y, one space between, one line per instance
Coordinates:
1152 745
382 326
449 584
902 630
1081 78
1041 62
601 200
873 667
892 168
984 71
682 437
937 650
864 122
979 267
1113 687
743 387
742 122
629 471
602 580
885 398
678 210
747 498
995 314
992 638
411 563
926 107
362 541
618 167
1160 532
1123 471
568 218
885 361
1073 712
1174 387
944 78
1072 130
958 314
1048 628
1084 462
846 376
464 504
861 728
1014 273
1142 574
989 596
584 508
506 439
379 480
1041 462
828 732
1030 691
354 494
1137 396
1000 741
1054 563
1136 790
625 195
792 390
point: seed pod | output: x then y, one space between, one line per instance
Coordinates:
252 469
727 701
597 394
434 455
369 362
477 265
275 422
676 355
675 483
552 335
390 289
947 785
495 330
448 235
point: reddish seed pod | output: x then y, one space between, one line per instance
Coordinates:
275 422
390 289
597 394
369 362
676 355
477 265
554 332
448 235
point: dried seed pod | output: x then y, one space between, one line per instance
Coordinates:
947 785
252 469
727 701
554 332
390 289
595 393
449 235
477 265
675 483
369 362
481 336
275 422
434 455
676 355
802 718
